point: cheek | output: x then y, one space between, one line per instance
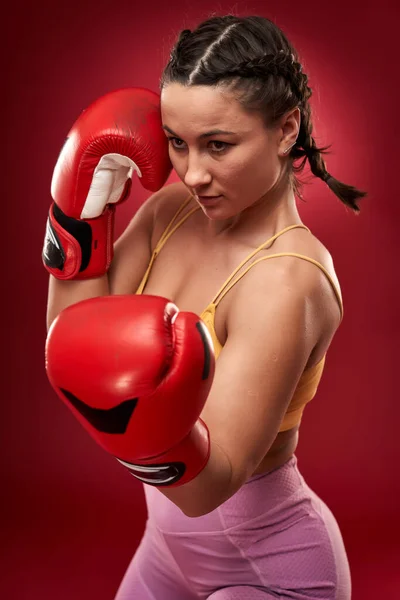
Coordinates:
256 170
266 168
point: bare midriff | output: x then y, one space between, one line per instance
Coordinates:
283 447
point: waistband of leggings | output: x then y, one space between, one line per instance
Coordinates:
292 461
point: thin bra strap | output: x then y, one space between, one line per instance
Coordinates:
168 231
307 258
263 245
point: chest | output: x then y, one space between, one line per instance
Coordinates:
190 272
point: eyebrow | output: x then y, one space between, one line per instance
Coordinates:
203 135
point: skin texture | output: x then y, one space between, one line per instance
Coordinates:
284 302
249 173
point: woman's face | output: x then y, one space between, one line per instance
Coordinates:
219 149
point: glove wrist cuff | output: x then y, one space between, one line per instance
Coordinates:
176 466
78 249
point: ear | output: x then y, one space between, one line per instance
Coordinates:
289 130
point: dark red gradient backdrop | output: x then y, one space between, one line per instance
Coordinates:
71 515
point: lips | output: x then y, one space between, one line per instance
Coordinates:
208 200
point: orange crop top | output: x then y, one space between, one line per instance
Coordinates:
308 383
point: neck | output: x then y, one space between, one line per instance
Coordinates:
270 214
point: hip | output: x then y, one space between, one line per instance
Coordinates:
275 532
270 500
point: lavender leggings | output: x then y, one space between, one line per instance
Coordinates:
275 538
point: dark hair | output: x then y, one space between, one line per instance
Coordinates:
253 59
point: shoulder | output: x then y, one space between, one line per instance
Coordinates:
280 283
312 268
290 289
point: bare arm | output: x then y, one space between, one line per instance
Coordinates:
132 253
271 333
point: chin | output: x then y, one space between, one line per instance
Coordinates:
214 211
218 213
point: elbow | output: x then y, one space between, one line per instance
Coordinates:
193 512
203 504
195 509
213 486
193 505
202 512
208 505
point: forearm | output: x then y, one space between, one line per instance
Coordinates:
146 423
64 293
212 486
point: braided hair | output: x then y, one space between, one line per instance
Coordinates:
252 58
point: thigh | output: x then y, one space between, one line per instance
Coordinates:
152 573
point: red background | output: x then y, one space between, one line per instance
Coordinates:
72 516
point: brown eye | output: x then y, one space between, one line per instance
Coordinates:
218 145
173 141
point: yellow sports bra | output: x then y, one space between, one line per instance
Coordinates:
308 383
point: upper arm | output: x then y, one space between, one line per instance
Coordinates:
132 250
271 333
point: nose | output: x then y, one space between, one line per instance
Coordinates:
197 176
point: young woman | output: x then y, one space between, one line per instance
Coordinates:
227 243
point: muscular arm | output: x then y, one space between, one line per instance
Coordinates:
132 253
272 328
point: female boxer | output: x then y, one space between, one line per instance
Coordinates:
226 243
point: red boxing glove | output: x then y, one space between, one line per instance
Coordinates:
136 373
117 134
